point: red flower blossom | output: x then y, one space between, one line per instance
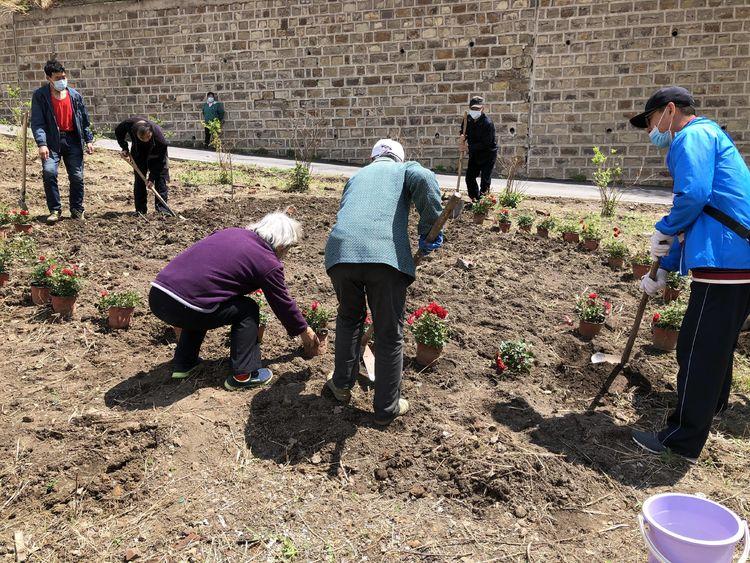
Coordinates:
104 293
607 307
504 212
24 212
42 258
657 316
75 267
48 271
258 292
501 367
314 306
67 272
368 319
593 295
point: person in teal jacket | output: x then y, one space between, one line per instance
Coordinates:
369 260
707 233
212 109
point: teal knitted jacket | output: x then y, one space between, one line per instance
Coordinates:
373 218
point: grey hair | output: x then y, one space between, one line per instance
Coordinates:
278 229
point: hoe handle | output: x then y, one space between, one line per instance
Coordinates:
638 318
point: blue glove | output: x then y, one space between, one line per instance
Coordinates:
427 247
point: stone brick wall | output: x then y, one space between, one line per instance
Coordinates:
559 75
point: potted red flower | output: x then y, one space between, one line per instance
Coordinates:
431 332
260 299
514 356
616 251
503 220
591 235
317 318
6 222
65 286
119 307
41 280
592 310
481 208
6 257
22 221
641 264
570 231
675 285
525 222
545 226
666 324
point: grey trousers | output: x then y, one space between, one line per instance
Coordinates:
384 289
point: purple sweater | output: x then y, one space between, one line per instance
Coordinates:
226 264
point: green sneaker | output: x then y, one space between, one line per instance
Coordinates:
403 408
53 218
238 382
187 373
341 395
77 214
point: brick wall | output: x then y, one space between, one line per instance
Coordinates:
558 75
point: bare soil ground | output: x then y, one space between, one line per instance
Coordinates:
104 458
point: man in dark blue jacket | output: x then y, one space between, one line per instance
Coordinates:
61 129
480 137
707 232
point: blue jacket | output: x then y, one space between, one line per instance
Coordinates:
707 169
43 123
373 218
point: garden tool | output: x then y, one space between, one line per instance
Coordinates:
601 357
460 205
25 126
161 199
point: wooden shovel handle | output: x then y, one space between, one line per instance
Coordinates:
439 224
638 318
153 190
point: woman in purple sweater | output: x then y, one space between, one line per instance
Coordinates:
206 287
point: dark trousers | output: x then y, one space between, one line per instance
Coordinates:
140 192
480 164
240 312
705 353
207 137
384 289
71 153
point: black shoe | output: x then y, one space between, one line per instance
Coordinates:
649 441
77 214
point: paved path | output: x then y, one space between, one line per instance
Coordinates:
531 187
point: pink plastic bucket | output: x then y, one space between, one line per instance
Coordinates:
680 528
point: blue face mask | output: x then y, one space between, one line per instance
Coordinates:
661 140
475 113
60 85
210 99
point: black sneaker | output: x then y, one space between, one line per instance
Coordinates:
77 214
263 376
649 441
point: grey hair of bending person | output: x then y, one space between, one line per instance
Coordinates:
279 230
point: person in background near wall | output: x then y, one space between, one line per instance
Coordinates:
61 128
212 109
482 146
707 232
148 148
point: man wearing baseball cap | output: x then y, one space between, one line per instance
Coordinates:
369 260
480 138
706 232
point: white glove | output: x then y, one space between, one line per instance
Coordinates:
652 287
660 245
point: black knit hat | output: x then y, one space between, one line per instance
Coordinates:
661 98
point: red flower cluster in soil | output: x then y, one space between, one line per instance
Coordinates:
23 212
48 272
657 316
314 306
258 292
104 293
616 232
42 258
593 295
504 211
433 308
501 367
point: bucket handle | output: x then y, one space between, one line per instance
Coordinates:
661 559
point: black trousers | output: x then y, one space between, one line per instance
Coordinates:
480 164
705 354
384 289
240 312
206 137
140 193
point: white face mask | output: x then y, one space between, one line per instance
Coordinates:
475 113
60 85
210 99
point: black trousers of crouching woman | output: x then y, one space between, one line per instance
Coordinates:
705 353
384 288
240 312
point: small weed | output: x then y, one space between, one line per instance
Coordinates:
289 551
580 177
50 486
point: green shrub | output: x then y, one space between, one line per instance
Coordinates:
514 356
299 178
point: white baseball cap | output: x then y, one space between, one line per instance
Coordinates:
388 147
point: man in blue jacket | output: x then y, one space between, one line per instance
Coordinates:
369 260
61 128
707 232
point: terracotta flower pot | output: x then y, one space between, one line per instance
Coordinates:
39 295
571 237
525 228
119 317
640 270
544 233
322 335
5 231
4 278
671 294
64 306
504 227
480 218
665 339
616 263
590 244
23 228
427 355
589 330
177 332
261 332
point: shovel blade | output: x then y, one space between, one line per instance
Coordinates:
369 359
458 209
601 357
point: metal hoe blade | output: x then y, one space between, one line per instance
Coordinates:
601 357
